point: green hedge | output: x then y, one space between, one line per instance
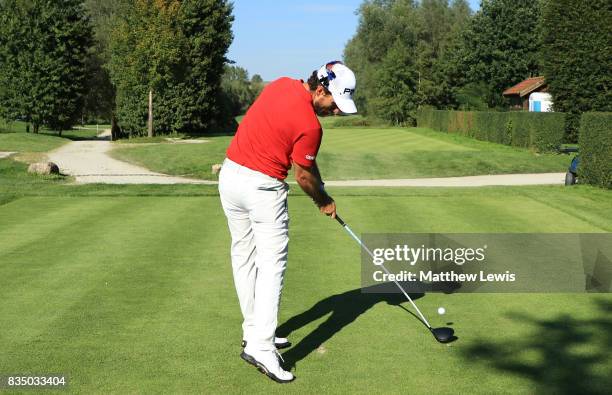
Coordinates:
541 131
595 142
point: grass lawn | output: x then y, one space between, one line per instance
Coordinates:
191 160
82 133
43 141
32 147
16 126
30 142
20 127
364 153
128 289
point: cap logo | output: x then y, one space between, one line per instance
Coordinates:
330 74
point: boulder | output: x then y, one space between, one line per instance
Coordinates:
216 168
43 168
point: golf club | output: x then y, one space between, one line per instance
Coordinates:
443 334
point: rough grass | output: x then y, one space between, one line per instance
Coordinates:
366 153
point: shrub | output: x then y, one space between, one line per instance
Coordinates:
540 131
351 122
595 141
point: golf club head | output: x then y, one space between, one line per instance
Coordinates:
444 334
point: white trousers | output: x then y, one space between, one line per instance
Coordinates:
255 205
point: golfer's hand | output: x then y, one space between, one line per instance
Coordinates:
329 209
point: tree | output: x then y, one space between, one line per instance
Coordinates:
381 24
395 85
237 90
99 100
440 25
100 96
425 30
176 49
43 53
439 81
576 45
501 46
257 85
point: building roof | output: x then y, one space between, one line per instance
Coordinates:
525 87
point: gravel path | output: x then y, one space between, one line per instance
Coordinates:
89 162
470 181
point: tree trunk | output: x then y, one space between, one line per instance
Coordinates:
150 123
36 126
114 128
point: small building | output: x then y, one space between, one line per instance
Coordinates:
540 102
520 95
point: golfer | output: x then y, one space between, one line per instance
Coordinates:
280 130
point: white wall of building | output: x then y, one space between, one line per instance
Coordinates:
540 102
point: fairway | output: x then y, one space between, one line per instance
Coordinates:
134 294
363 153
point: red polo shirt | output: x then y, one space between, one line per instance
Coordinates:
279 128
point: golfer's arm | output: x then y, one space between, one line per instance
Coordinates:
315 171
309 179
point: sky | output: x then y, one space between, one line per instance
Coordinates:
292 38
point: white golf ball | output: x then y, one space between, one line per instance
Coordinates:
441 310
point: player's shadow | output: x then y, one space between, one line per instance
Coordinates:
344 309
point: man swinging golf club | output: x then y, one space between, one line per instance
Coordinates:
279 130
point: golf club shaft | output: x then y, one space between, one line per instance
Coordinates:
358 240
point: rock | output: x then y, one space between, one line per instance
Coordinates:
43 168
216 168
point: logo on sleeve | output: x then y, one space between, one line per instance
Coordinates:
310 157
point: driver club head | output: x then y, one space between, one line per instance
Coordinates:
444 334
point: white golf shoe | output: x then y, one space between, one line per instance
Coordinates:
267 363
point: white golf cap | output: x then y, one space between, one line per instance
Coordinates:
340 81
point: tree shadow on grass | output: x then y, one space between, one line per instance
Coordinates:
563 355
344 309
68 135
74 137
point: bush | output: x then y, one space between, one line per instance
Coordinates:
595 141
348 122
354 121
540 131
